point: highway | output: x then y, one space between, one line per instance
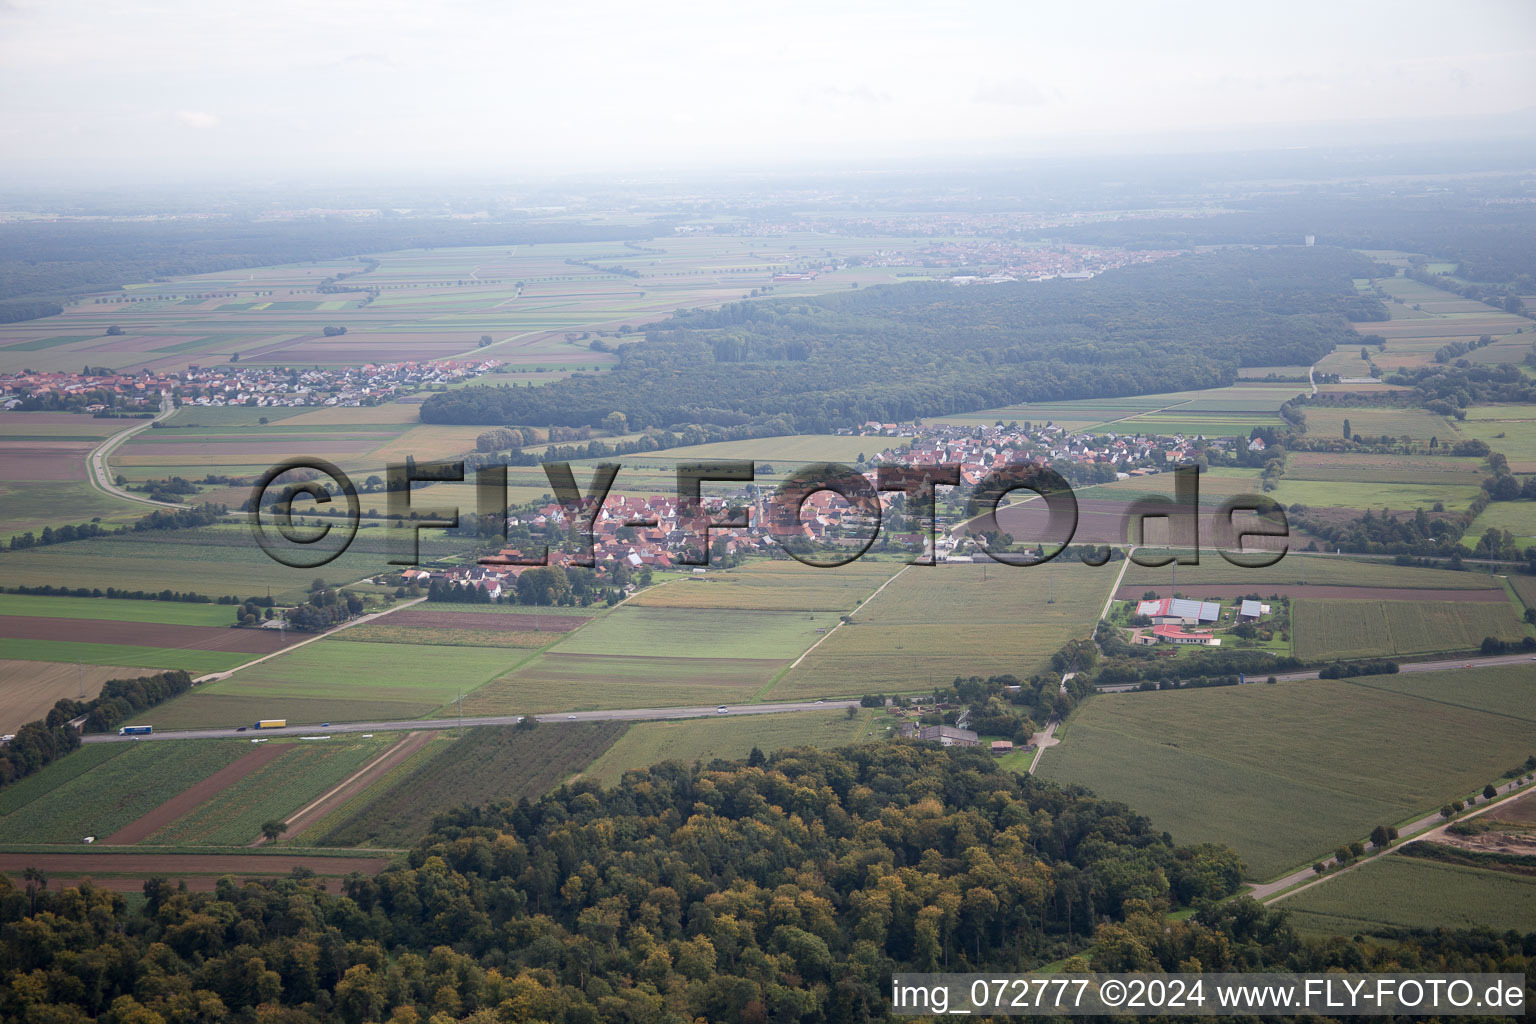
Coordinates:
623 715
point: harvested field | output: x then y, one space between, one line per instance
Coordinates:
46 461
195 796
143 634
1297 590
29 689
1519 811
512 622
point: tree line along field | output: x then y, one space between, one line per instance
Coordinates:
933 623
646 743
1393 892
29 689
1367 629
1285 773
1517 517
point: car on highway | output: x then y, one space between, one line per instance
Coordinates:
241 729
722 709
325 725
570 718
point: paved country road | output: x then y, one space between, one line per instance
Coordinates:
101 476
624 715
1425 828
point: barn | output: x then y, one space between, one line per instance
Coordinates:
1178 611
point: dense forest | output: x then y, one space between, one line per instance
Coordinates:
1489 241
786 889
899 352
47 259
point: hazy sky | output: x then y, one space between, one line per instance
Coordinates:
180 88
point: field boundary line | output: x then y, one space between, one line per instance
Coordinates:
840 623
419 737
212 677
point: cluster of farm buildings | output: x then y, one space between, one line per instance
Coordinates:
1173 617
243 385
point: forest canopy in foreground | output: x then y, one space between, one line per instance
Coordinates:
786 889
898 352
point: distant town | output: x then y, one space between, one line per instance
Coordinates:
100 390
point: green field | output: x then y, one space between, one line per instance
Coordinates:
34 787
216 561
195 662
696 633
1518 517
1349 467
1286 773
176 613
554 682
273 792
773 585
1343 494
792 451
1375 421
66 805
1367 629
1212 411
647 743
933 623
369 674
1405 892
487 764
1317 570
1510 429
